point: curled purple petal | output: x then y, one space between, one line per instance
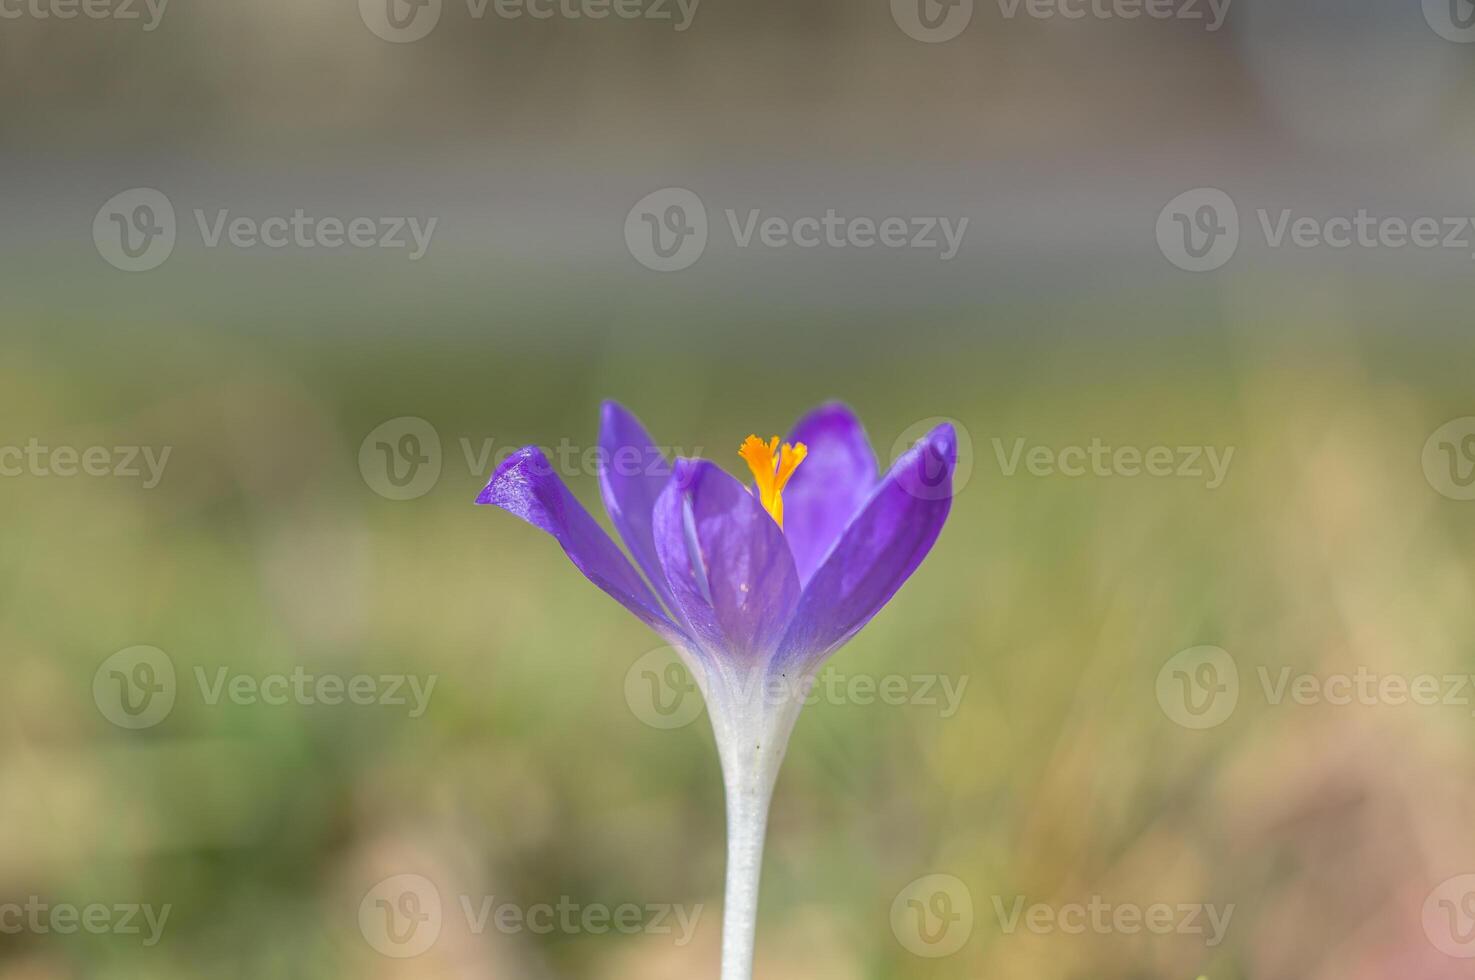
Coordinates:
727 562
877 553
830 487
526 486
632 474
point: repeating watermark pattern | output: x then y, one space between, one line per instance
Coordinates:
1453 20
932 916
146 13
406 21
136 231
38 459
935 21
661 692
1449 459
1199 230
1101 917
37 917
667 230
403 916
1207 464
1200 688
1449 917
137 688
401 459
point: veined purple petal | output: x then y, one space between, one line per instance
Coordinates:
829 487
878 551
727 562
525 485
632 474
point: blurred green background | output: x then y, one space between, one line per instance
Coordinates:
531 777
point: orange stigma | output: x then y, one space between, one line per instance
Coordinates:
772 468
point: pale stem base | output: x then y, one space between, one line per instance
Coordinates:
752 735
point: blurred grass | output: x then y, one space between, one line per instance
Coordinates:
529 778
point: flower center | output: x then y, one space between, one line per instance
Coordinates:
772 468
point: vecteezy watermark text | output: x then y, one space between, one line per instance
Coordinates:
1209 464
1199 230
405 21
137 688
401 459
667 230
136 231
935 21
149 12
1200 687
38 917
404 915
1101 917
38 459
660 690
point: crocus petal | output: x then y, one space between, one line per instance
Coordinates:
726 560
632 474
877 553
830 487
526 486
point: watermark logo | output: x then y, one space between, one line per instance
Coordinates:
1449 459
400 21
401 459
1199 687
666 230
660 691
932 21
1198 231
404 21
135 230
401 916
1449 917
930 484
933 916
1453 20
135 688
1212 12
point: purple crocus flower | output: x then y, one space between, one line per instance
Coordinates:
755 588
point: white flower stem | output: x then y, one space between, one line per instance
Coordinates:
752 735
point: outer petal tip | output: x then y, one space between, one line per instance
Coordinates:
926 470
514 472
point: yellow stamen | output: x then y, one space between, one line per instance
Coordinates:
772 466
